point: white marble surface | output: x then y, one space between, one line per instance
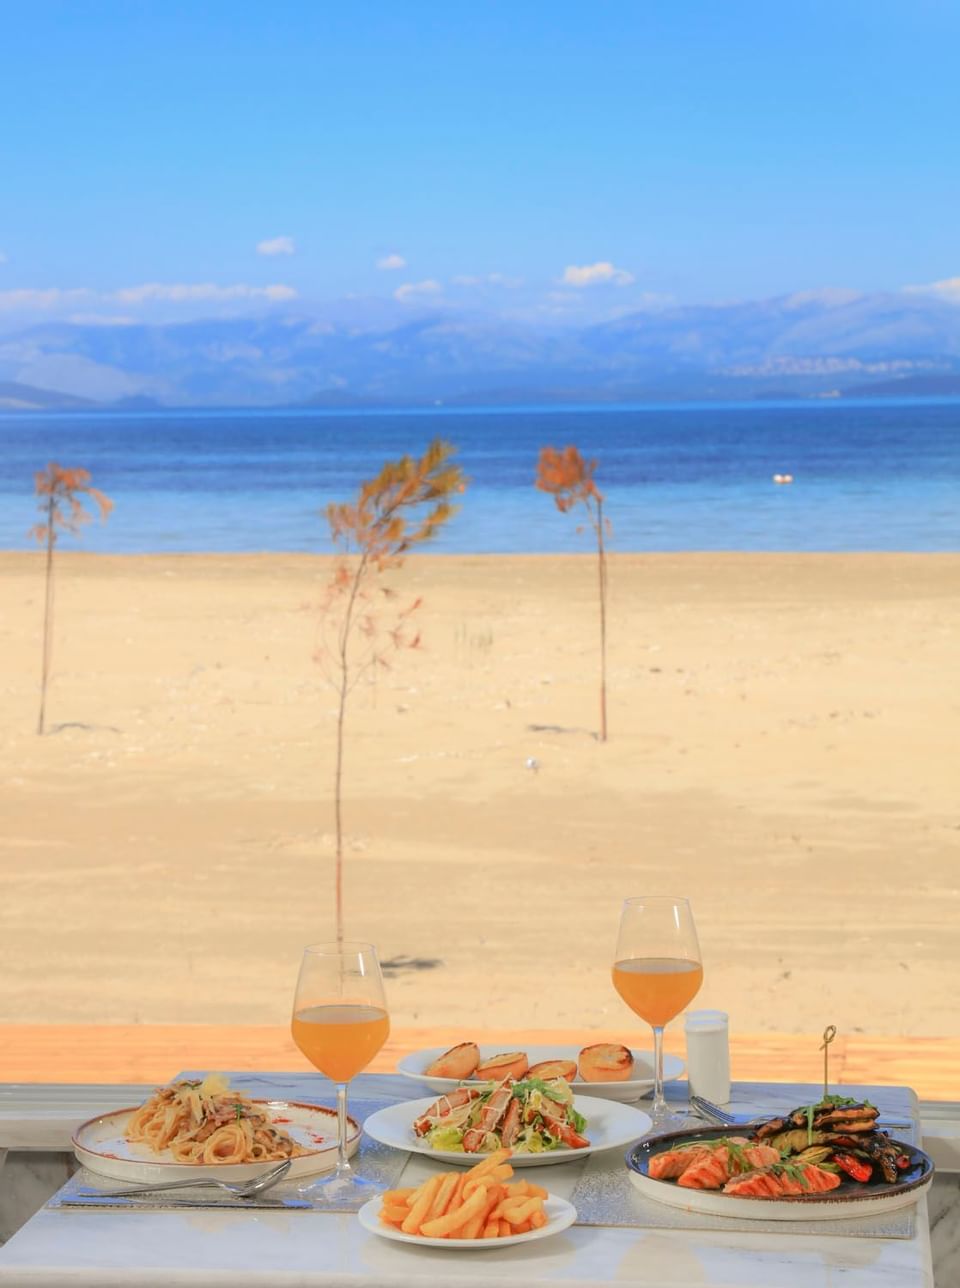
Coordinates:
205 1249
944 1209
216 1250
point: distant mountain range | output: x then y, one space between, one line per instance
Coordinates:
813 345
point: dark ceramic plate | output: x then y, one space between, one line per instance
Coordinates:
849 1199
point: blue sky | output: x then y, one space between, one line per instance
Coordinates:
548 159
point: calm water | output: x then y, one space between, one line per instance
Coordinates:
868 476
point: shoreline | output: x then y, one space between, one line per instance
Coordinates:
783 743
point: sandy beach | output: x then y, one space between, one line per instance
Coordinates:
784 748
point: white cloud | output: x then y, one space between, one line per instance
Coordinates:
389 262
947 289
62 301
831 297
180 292
410 290
488 279
101 319
30 299
593 274
276 246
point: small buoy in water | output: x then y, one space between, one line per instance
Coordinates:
532 763
783 478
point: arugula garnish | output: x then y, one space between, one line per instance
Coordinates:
523 1089
828 1102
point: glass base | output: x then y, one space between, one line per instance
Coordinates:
667 1120
342 1189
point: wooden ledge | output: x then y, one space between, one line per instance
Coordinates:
153 1053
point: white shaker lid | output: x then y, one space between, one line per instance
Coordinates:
706 1021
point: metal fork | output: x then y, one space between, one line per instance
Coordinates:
713 1113
246 1190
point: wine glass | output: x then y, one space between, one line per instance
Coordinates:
340 1022
657 972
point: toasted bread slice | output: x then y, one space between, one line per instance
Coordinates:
459 1062
605 1062
509 1064
548 1069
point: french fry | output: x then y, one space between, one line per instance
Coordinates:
491 1230
518 1190
397 1196
538 1220
474 1183
536 1191
518 1212
505 1228
441 1197
421 1207
475 1227
394 1213
457 1197
444 1225
524 1228
492 1160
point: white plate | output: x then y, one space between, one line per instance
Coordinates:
413 1065
100 1145
561 1215
609 1126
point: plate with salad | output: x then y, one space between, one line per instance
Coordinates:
542 1122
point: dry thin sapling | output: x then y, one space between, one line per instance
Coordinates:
569 480
405 506
59 492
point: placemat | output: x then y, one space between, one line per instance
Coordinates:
605 1195
378 1164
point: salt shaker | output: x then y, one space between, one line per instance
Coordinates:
708 1055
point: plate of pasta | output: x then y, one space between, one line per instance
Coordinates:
203 1129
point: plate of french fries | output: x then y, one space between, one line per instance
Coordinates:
482 1208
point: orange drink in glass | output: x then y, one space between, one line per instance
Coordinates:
340 1022
657 972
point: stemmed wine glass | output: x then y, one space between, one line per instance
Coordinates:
657 972
340 1022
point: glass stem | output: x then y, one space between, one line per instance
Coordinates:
659 1103
343 1163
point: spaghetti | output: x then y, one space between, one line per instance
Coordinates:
206 1122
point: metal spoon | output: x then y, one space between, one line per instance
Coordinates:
247 1190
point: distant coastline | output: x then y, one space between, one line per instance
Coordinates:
375 354
905 392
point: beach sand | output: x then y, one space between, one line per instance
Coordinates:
784 748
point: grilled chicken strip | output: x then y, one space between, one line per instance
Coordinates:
511 1123
491 1115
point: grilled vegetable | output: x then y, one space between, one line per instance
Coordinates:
858 1168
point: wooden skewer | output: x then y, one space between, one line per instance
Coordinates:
829 1033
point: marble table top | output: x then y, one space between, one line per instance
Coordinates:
212 1249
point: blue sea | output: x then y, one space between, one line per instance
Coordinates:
879 475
